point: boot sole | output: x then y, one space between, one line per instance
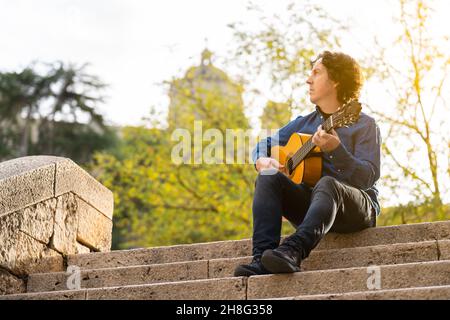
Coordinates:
276 264
244 272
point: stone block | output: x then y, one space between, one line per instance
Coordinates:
71 178
10 284
215 289
94 229
444 249
23 255
422 274
122 276
57 295
422 293
24 182
64 238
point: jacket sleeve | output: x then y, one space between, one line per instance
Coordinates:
281 137
361 169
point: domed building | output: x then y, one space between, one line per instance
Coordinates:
206 93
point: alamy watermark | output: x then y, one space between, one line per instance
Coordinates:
234 146
374 279
74 278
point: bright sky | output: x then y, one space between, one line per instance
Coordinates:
134 45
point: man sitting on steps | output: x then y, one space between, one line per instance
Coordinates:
343 200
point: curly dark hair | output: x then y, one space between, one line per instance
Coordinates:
343 70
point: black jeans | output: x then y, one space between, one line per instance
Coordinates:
330 206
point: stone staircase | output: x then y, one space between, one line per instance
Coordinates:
395 262
55 238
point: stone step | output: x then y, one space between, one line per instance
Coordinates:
208 289
422 293
221 268
56 295
239 248
412 275
400 253
121 276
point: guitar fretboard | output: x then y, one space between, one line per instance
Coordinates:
306 148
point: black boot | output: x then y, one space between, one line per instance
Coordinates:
252 269
284 259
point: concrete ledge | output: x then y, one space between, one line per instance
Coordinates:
421 293
121 276
424 293
50 207
217 289
159 255
397 253
242 248
422 274
222 268
344 258
10 284
29 180
57 295
386 235
444 249
25 182
71 178
331 284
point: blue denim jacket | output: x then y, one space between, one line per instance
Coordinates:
356 161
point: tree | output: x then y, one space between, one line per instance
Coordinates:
275 115
160 202
52 102
281 50
74 93
418 133
21 93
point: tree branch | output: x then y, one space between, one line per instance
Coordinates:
405 169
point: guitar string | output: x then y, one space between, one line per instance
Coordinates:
299 156
308 146
303 151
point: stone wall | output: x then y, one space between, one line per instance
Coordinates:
49 208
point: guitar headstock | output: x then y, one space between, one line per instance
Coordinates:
346 116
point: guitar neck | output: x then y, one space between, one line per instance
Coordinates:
346 115
308 146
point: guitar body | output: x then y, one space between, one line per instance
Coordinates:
302 159
309 170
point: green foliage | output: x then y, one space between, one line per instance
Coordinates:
275 115
40 112
282 47
413 213
73 140
416 146
158 202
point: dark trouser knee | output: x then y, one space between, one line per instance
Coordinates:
268 179
328 185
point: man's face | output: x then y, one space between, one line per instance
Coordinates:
321 88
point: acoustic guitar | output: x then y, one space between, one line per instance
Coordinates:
301 158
